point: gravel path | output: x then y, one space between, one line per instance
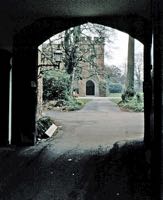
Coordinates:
99 123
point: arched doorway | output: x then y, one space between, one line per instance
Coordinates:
25 49
90 88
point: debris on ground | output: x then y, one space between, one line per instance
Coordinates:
45 128
51 130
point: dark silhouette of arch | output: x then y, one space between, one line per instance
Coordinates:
90 88
25 52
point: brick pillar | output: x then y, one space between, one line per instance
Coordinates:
4 99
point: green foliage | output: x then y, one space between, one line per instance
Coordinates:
135 104
74 104
115 88
56 85
128 95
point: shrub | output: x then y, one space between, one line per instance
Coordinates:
73 104
128 95
135 104
115 88
56 85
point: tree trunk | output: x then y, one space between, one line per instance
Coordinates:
130 65
71 42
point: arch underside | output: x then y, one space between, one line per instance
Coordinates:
42 29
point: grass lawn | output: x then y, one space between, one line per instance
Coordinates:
114 94
115 100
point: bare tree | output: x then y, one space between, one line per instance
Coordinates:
138 71
130 67
75 53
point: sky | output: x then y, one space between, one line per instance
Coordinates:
120 50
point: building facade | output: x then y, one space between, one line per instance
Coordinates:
92 70
88 76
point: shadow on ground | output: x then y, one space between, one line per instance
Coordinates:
123 173
37 173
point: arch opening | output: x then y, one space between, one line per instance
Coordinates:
88 136
33 43
90 88
86 85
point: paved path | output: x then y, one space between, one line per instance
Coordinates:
71 166
99 123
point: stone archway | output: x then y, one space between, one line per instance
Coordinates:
25 54
90 88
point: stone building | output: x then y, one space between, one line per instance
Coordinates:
92 69
89 75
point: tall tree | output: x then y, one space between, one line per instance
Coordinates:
138 71
70 44
130 66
